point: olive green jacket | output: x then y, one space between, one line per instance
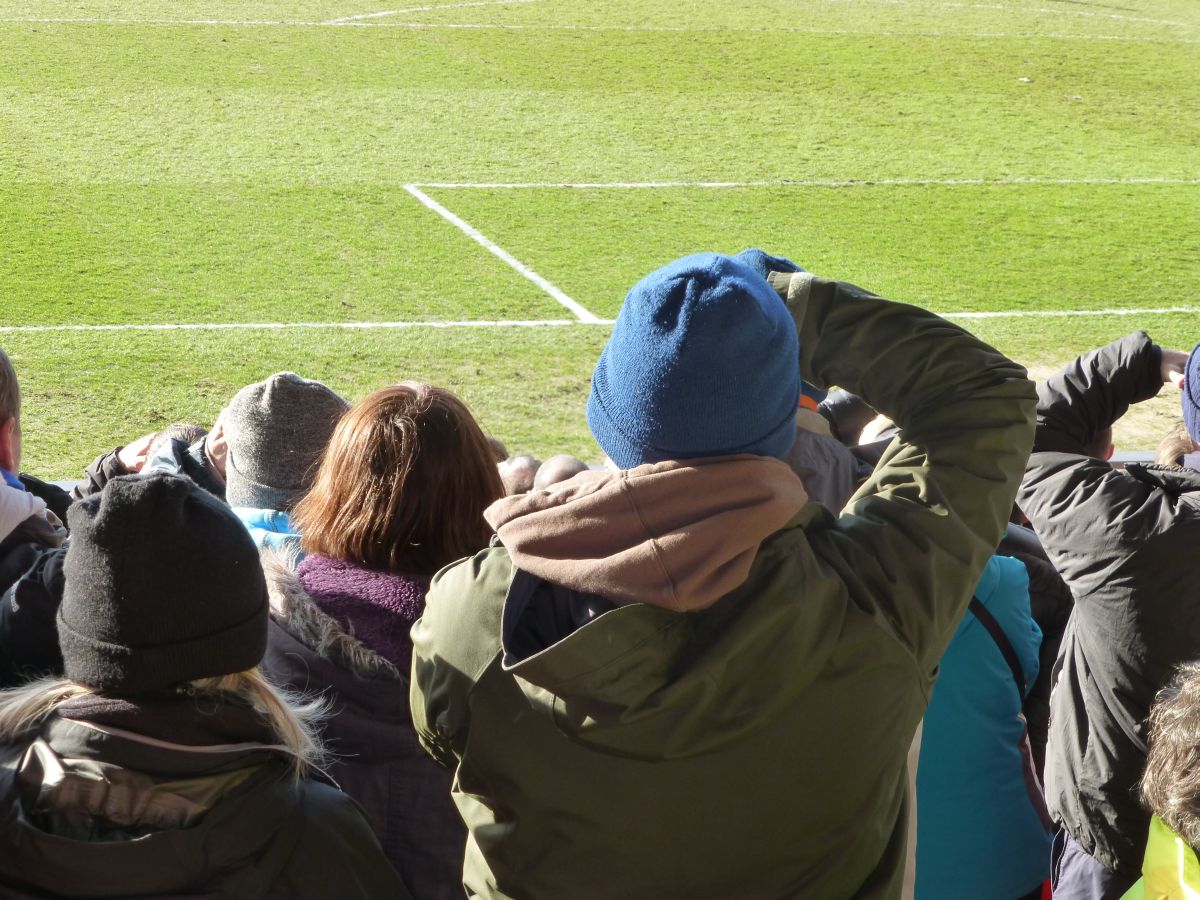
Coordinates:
754 747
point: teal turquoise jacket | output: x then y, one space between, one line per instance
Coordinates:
272 529
684 681
972 797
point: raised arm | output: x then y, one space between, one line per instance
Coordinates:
913 541
1091 393
1074 500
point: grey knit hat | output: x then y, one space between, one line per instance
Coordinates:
163 586
276 431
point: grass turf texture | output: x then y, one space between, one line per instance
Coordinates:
167 173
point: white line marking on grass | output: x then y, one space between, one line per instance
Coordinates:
417 26
1001 7
834 32
784 182
540 323
478 237
106 21
316 326
1069 313
411 9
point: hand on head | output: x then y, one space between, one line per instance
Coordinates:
133 455
1172 367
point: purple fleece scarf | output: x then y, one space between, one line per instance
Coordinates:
377 607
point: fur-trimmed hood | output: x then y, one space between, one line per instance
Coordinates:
309 652
377 758
297 613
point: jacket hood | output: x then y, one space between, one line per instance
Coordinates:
294 610
678 534
309 651
26 516
657 679
248 835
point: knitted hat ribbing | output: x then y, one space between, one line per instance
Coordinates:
163 586
276 431
764 263
704 360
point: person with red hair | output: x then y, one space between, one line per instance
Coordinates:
399 493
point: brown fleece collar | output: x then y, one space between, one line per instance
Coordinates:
676 534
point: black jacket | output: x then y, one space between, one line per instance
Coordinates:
1125 543
188 459
31 583
174 456
1050 602
103 469
262 837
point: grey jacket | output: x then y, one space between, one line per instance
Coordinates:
1124 541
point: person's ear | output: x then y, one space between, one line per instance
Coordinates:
10 457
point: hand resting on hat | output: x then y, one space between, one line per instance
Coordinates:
1172 367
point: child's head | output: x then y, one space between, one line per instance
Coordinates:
1171 782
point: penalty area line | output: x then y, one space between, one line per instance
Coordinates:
582 314
514 26
1070 313
411 9
539 323
797 183
312 326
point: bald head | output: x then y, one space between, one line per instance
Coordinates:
518 473
556 469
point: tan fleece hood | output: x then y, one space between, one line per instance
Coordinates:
677 534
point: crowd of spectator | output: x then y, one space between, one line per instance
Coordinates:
916 635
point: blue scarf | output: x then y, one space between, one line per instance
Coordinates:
11 480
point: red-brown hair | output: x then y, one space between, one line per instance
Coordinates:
403 483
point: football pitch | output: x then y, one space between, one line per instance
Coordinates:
194 195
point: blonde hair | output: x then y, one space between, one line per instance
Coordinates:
293 718
1176 444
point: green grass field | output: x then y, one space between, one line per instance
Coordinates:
248 163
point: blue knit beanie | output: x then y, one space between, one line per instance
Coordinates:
764 264
703 361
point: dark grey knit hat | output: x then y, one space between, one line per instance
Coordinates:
276 431
163 586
